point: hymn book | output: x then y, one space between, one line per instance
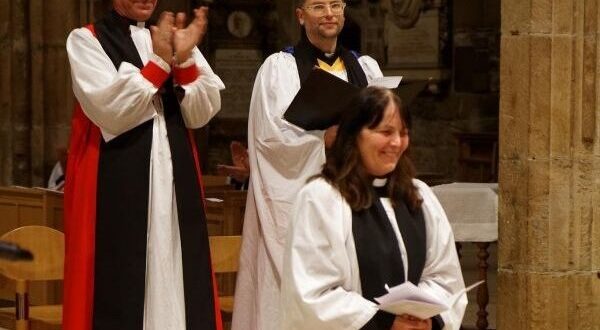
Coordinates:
323 98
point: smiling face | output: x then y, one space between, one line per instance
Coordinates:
382 146
139 10
320 27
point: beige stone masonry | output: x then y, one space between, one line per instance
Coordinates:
544 301
549 204
36 101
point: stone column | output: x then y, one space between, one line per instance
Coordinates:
549 230
21 92
53 105
5 97
37 29
35 86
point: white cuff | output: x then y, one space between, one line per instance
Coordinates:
187 63
160 62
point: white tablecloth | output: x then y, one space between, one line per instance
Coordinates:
472 209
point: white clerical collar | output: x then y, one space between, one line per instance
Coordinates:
379 182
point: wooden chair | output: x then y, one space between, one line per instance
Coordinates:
225 212
217 183
477 157
225 255
48 249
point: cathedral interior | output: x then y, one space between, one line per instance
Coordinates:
498 92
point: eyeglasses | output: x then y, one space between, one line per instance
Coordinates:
320 9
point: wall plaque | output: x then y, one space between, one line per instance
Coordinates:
237 68
414 47
239 24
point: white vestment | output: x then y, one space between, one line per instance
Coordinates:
321 286
282 157
119 100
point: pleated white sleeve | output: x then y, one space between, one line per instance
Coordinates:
282 155
119 100
321 282
292 148
202 99
116 101
442 275
321 286
286 155
370 67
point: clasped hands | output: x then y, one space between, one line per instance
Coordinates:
172 40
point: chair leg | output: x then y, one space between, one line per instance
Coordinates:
22 306
482 290
22 325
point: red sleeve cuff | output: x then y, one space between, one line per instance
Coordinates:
184 76
155 74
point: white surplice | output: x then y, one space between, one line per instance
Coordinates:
119 100
282 157
321 286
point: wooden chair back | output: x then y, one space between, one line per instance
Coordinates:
225 212
48 249
215 183
214 180
225 253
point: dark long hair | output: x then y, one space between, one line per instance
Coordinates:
343 166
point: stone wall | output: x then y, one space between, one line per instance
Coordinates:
436 120
473 107
466 101
36 93
35 86
36 98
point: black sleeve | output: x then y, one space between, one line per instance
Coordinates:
384 320
437 323
381 321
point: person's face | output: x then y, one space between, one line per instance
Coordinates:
381 147
320 20
139 10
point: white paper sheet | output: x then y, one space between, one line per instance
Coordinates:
390 82
407 298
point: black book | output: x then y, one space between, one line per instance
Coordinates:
320 101
323 98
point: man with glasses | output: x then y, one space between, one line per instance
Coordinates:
283 156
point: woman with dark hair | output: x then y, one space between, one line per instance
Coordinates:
365 222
